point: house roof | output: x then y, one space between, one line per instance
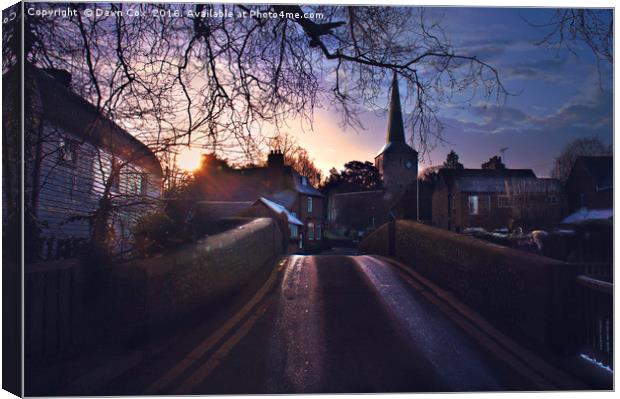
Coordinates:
279 209
482 184
279 184
361 193
508 184
486 173
585 214
497 180
305 189
75 114
601 168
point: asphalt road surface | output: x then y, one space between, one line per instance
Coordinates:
330 324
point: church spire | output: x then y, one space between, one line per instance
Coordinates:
396 130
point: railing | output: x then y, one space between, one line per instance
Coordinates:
597 318
599 271
52 308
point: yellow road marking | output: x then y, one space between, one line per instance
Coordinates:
214 338
207 368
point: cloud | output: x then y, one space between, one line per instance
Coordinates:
533 141
548 70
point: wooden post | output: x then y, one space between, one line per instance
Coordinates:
392 238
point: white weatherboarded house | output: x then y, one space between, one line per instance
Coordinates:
75 150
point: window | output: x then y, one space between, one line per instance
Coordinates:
473 205
552 199
310 231
318 232
309 204
503 201
134 183
478 204
67 151
304 181
294 231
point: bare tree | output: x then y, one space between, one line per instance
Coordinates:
579 147
529 198
569 27
217 75
218 81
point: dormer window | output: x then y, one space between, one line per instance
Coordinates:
304 181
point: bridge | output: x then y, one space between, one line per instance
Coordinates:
352 322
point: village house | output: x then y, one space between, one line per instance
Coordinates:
590 183
226 191
495 198
286 219
75 149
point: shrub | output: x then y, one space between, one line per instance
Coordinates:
152 233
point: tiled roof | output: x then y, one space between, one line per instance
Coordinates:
498 180
486 173
305 189
281 184
507 185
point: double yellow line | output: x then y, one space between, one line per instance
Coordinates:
208 344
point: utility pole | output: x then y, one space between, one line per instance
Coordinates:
417 198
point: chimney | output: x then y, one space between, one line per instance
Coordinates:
275 159
60 75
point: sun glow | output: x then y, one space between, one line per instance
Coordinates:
189 159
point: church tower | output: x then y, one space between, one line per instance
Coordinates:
397 161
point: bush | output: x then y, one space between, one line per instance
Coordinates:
152 233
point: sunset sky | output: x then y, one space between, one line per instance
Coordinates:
558 96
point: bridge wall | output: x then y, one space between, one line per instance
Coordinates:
152 292
67 309
525 293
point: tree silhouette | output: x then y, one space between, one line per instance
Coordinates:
495 162
579 147
452 161
356 176
571 27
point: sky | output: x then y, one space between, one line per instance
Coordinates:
556 96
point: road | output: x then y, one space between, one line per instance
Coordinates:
330 324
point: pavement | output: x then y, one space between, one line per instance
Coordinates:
333 323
